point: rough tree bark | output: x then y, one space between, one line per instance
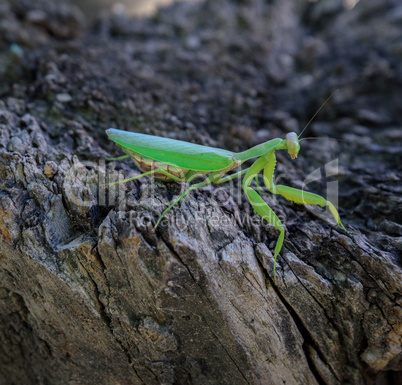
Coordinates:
89 295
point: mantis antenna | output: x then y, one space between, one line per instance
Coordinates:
322 105
326 138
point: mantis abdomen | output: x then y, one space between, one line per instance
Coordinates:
148 164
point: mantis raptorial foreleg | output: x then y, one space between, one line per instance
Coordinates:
295 195
266 213
259 205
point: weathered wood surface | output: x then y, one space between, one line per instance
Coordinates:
89 295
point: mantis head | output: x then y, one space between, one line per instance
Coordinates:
292 144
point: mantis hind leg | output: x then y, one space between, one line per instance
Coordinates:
156 171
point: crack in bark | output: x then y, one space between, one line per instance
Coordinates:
364 269
311 295
307 338
258 287
170 247
321 355
226 351
107 319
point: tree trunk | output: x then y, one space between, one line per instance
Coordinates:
90 294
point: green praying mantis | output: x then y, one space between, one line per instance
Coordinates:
183 162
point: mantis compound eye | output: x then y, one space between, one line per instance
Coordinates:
292 143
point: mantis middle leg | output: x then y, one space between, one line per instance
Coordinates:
227 178
210 179
156 171
118 158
